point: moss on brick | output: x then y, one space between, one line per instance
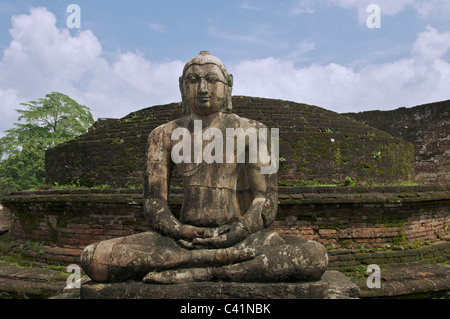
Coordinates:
113 151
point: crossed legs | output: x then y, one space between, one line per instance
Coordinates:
278 258
262 257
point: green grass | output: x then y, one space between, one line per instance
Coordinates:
349 182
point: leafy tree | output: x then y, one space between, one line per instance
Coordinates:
42 125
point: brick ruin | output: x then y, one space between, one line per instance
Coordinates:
350 219
427 127
316 147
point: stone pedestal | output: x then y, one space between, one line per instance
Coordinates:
327 287
205 290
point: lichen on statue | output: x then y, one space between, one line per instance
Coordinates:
227 207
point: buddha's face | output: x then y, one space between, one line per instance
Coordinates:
205 89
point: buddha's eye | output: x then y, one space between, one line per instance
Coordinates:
193 78
212 79
209 78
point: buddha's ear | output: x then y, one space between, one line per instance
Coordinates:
181 84
230 80
230 84
230 91
184 107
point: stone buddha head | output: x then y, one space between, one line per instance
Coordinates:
206 86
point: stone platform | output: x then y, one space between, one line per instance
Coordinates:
332 285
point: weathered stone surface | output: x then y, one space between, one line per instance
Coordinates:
77 217
229 199
22 282
428 128
417 281
333 285
340 287
206 290
113 151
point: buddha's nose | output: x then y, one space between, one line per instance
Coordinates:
203 89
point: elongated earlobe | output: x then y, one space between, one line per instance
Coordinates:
229 106
183 105
230 80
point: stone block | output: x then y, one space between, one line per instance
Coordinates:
205 290
346 257
333 285
362 256
339 286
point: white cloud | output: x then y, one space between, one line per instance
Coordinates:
300 50
431 45
422 78
246 5
433 8
131 82
40 55
389 7
157 27
424 8
302 7
9 102
42 58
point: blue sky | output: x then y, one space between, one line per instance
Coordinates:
128 55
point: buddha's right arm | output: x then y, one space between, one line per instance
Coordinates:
160 218
157 175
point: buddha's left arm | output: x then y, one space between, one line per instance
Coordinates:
264 190
263 209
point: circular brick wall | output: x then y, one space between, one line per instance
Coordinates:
338 217
317 146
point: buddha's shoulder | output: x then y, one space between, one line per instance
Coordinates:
168 127
246 122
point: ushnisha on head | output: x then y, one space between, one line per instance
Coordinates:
206 86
